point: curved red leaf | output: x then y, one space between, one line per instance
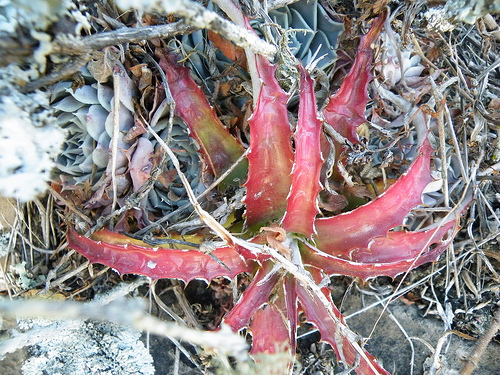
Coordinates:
271 155
400 245
218 147
253 298
270 331
346 109
337 334
302 205
339 234
390 255
393 265
125 256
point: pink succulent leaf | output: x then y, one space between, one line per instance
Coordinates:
270 330
394 253
256 295
302 205
337 266
337 334
126 256
271 155
274 324
401 245
141 163
219 148
345 111
339 234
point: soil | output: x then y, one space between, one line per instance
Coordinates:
403 340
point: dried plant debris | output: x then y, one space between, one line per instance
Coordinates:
27 29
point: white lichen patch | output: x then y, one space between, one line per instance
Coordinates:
38 16
437 20
80 347
29 141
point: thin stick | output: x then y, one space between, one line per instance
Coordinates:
204 215
223 341
472 361
195 14
205 192
116 132
82 48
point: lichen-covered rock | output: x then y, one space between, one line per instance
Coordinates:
85 347
29 141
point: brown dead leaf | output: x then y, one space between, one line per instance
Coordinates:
332 202
494 105
101 67
358 191
144 74
231 51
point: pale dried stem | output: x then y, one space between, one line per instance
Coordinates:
212 186
87 44
411 266
275 4
435 355
184 303
73 66
166 308
116 132
442 150
402 291
235 14
82 48
492 26
68 275
407 337
204 215
69 205
195 14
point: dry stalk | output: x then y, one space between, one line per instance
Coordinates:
472 361
197 15
82 48
116 131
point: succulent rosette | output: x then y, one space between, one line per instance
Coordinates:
169 193
306 27
290 246
86 115
309 30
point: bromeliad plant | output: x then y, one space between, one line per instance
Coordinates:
291 248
